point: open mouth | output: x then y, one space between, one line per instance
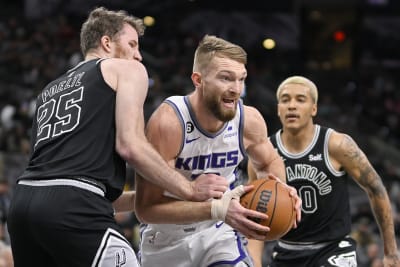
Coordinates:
229 102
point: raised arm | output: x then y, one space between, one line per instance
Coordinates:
346 153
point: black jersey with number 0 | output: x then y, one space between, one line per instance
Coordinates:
73 132
323 190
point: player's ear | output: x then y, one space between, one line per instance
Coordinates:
196 79
314 110
106 43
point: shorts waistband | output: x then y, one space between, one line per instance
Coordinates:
301 246
82 183
184 229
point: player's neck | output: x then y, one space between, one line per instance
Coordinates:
296 141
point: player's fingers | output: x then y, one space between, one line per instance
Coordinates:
297 207
251 228
219 180
274 177
216 194
292 190
216 179
219 188
248 188
254 235
255 214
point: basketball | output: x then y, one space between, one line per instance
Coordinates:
272 198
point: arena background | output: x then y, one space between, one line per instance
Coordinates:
351 49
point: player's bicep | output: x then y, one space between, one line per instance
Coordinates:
131 91
158 131
164 132
356 164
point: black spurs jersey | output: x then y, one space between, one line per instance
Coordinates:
73 132
323 190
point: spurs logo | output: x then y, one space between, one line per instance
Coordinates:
120 258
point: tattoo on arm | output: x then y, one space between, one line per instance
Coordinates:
368 177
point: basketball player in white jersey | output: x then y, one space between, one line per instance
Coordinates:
207 131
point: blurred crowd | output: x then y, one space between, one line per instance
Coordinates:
364 103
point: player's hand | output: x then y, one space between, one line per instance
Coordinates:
292 193
234 214
297 204
208 186
391 260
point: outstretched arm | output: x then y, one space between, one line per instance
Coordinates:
346 152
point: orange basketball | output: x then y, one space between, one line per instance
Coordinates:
271 197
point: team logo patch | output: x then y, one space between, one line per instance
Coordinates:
344 260
120 258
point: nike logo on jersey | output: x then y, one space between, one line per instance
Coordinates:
344 244
187 140
219 224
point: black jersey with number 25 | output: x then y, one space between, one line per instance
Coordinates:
73 132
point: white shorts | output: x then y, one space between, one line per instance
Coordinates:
206 243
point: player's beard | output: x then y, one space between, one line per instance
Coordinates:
213 104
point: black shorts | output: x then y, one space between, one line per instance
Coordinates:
338 253
63 226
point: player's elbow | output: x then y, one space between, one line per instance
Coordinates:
126 150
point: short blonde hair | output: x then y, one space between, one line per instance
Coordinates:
102 21
211 46
299 80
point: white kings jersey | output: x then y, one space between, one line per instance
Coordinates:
204 152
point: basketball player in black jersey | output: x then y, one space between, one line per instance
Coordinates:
88 125
317 160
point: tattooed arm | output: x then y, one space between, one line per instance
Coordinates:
345 154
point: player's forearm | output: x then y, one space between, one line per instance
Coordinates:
256 248
126 202
175 212
383 214
277 168
151 166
